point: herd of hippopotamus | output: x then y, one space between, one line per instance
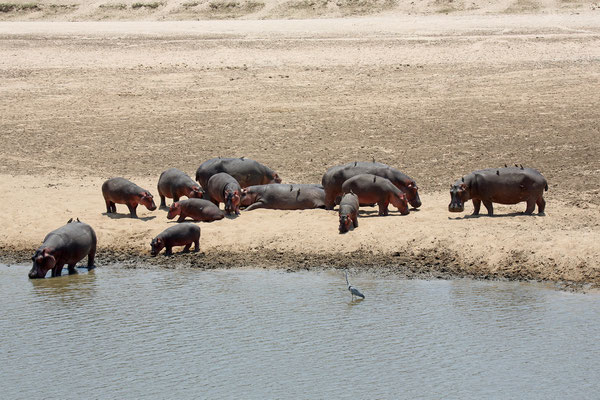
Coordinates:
242 182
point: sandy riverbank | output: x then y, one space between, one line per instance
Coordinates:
434 96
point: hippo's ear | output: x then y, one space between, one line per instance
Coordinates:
70 220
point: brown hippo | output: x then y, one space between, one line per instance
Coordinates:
335 176
375 189
223 188
178 235
66 245
348 212
197 209
246 171
174 184
509 185
283 197
122 191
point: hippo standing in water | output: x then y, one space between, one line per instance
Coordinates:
509 185
122 191
348 212
174 184
283 197
375 189
66 245
246 171
197 209
223 188
178 235
335 177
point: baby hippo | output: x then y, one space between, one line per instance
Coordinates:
174 184
375 189
348 212
223 188
197 209
178 235
122 191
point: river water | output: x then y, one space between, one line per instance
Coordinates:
257 334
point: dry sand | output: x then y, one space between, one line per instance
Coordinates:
436 96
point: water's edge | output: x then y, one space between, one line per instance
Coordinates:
433 265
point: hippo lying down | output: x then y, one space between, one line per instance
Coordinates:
509 185
283 197
68 244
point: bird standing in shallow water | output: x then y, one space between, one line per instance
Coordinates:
353 291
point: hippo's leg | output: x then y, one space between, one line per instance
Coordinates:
254 206
169 251
72 269
132 208
181 217
355 220
330 200
530 206
197 245
186 249
541 203
163 203
91 256
476 206
113 207
57 270
175 199
489 206
383 207
108 206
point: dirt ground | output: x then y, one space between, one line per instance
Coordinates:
436 96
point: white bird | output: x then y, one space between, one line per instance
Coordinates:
353 291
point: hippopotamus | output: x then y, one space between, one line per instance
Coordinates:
197 209
374 189
246 171
283 197
66 245
508 185
178 235
224 188
123 191
174 184
348 212
335 176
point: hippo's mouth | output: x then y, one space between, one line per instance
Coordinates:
453 207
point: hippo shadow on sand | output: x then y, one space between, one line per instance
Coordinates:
362 213
127 216
507 215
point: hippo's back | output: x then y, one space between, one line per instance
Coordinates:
246 171
120 186
185 230
72 236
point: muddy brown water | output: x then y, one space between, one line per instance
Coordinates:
157 333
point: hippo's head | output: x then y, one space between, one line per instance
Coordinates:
174 210
399 201
196 193
232 201
276 178
43 261
157 245
412 194
459 193
147 200
345 222
247 197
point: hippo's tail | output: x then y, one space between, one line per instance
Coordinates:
546 187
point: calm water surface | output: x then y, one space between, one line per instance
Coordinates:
178 334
